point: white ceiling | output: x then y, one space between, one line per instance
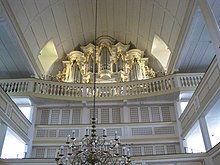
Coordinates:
71 22
11 57
198 49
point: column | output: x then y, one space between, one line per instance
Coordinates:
205 133
3 130
212 26
178 125
31 132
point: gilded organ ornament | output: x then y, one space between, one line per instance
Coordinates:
114 63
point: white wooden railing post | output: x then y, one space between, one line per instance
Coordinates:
177 81
84 91
31 85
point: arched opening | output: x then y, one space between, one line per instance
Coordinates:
161 51
48 55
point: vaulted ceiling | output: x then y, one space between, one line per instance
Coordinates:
27 25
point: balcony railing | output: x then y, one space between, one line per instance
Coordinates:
13 117
142 88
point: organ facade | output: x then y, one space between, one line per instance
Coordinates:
115 62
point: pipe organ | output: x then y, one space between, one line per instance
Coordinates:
115 62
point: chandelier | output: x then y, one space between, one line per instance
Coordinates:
93 149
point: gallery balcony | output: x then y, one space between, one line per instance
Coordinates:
170 84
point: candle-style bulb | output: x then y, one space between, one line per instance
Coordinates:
61 151
128 153
117 150
68 139
73 136
87 132
116 135
104 133
123 151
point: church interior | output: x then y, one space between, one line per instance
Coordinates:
109 82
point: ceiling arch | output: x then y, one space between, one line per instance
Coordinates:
71 22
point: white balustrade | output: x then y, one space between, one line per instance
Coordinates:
107 90
190 81
15 86
11 114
